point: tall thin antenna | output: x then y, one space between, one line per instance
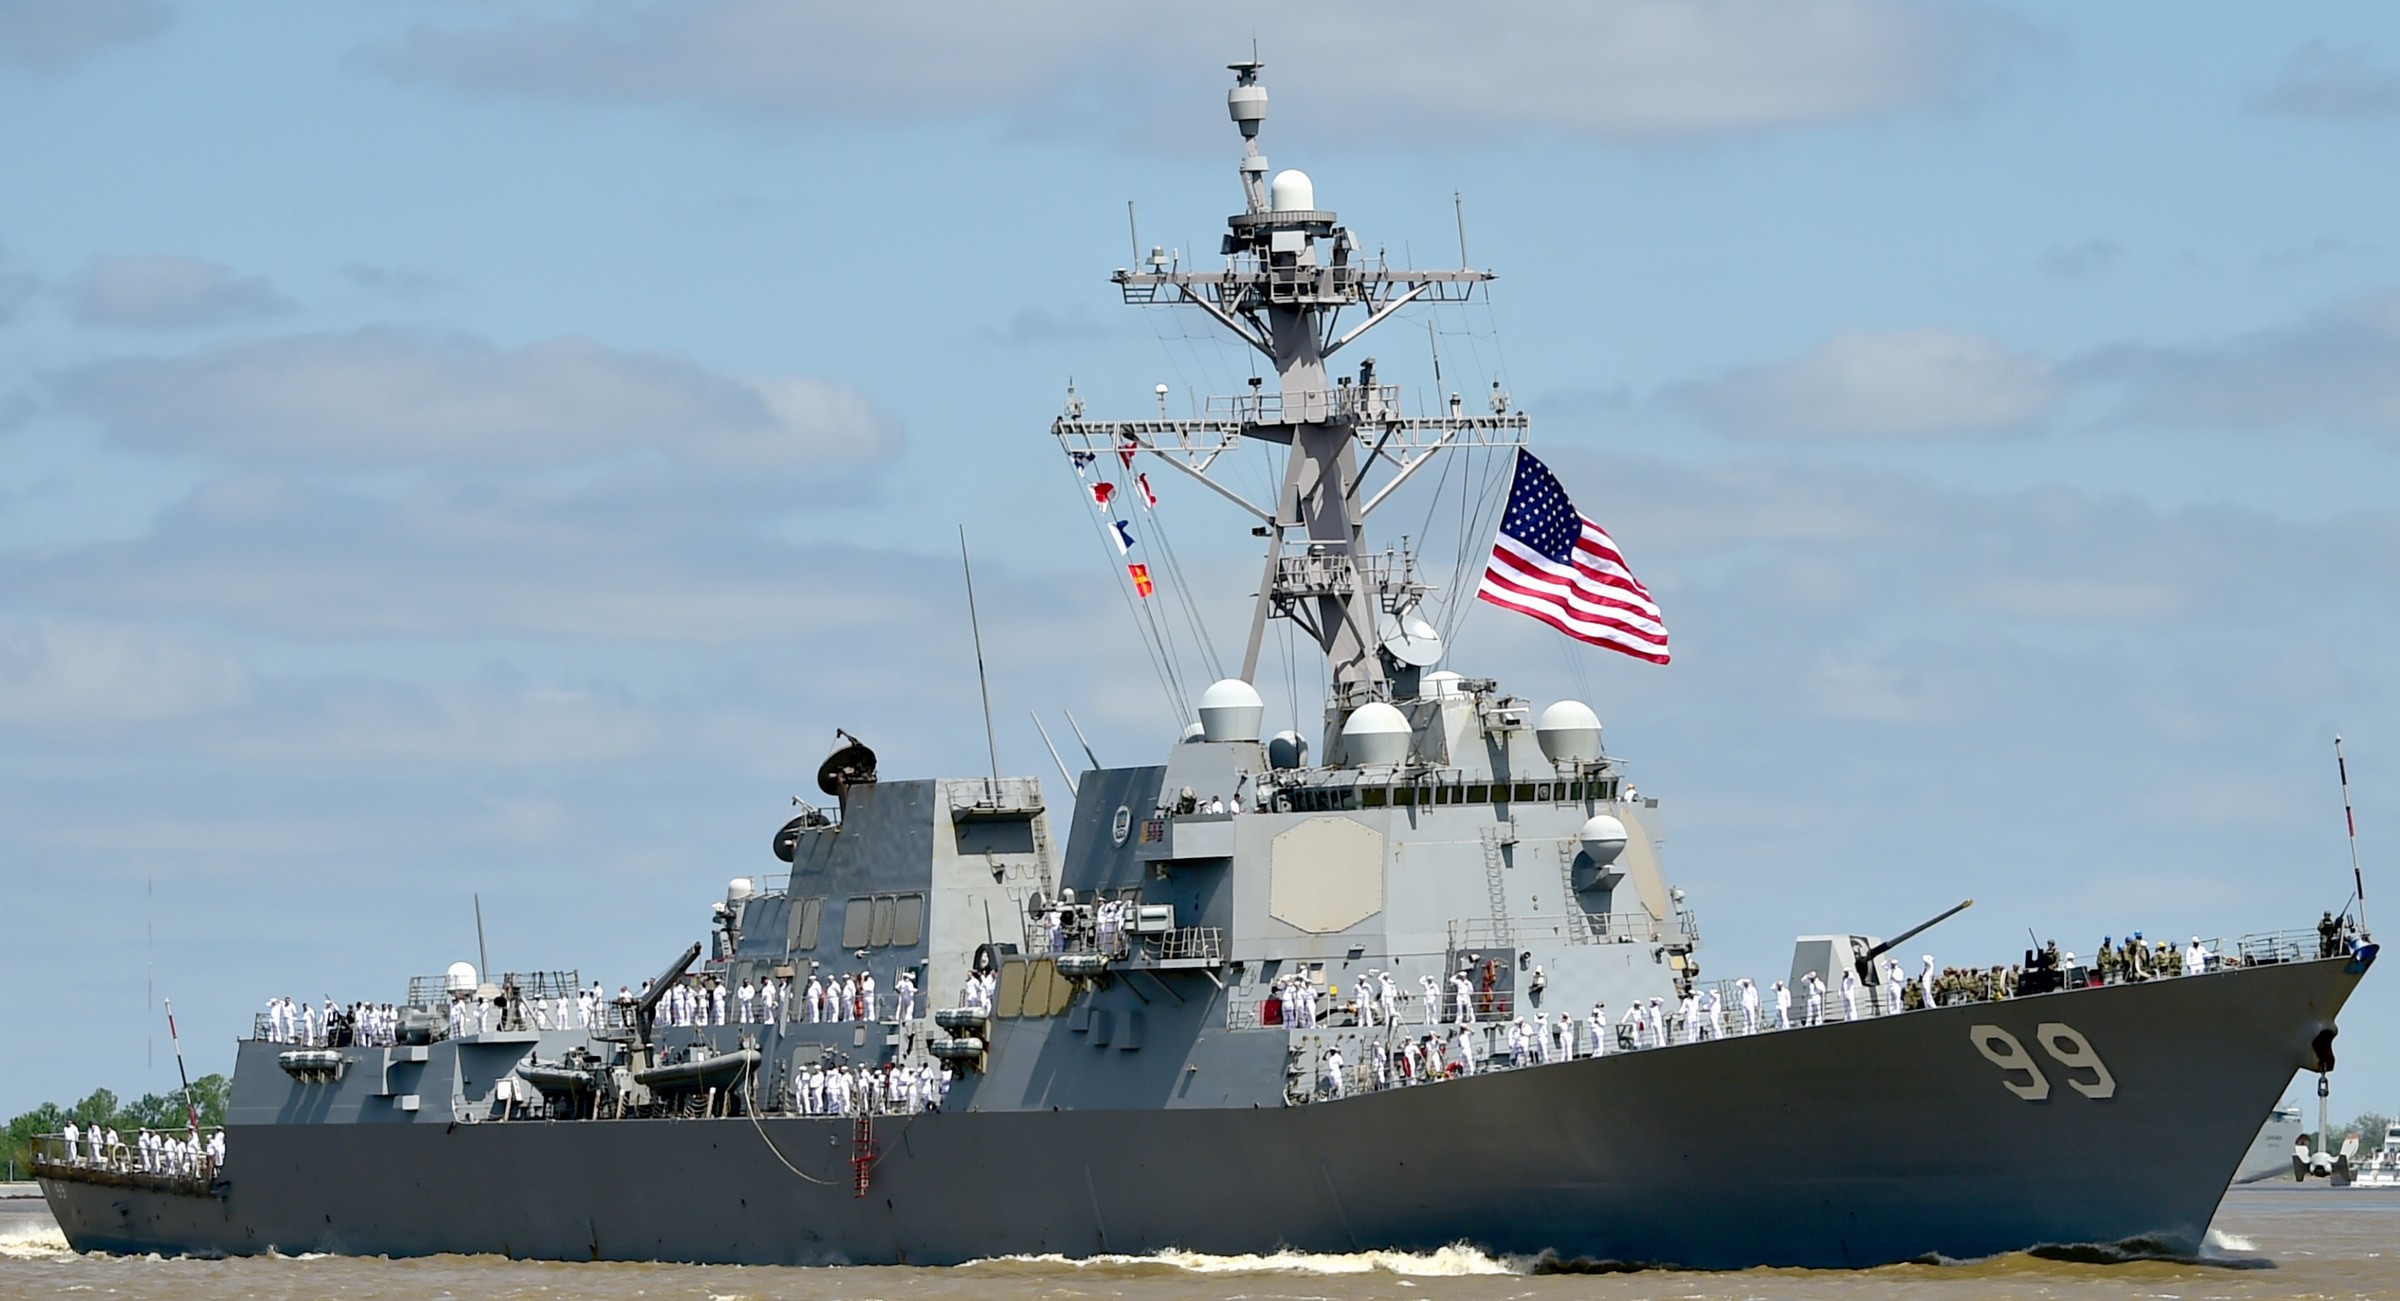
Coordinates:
149 970
1087 746
1133 231
1458 205
191 1109
1053 748
483 956
991 738
2358 881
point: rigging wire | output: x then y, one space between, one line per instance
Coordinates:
1123 585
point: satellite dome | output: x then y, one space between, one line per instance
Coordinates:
1441 682
1569 732
742 887
1231 710
1287 750
1603 839
461 978
1376 735
1194 732
1292 191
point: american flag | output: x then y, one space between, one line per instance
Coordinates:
1554 564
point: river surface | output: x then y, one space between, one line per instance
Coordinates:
2312 1244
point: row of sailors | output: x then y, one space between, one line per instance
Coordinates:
158 1152
775 1002
895 1089
1377 1001
1109 921
1696 1016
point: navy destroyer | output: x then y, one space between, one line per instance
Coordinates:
1429 985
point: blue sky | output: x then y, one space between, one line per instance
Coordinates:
487 448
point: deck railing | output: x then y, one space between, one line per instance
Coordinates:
166 1164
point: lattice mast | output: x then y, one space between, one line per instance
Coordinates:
1291 271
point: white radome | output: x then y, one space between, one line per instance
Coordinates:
461 978
741 887
1569 732
1292 191
1603 839
1231 710
1376 736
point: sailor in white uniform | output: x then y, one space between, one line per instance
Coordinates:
1749 990
746 999
1466 1051
1334 1085
866 997
1716 1014
1783 1006
1599 1029
1662 1030
1463 990
1925 981
1849 994
1632 1024
1687 1009
1895 979
1816 1001
1433 999
1387 992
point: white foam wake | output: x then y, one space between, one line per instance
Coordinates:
34 1242
2218 1241
1448 1262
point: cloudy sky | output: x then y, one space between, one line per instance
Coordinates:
458 448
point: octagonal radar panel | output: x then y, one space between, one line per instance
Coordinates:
1325 875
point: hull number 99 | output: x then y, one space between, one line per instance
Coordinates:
2021 1075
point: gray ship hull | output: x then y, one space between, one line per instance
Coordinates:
1844 1145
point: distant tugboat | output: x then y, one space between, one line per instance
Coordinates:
1262 999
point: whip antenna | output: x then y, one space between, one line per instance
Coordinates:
2358 881
191 1109
991 739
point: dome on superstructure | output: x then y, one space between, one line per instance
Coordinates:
1569 732
1231 710
1292 191
1603 839
1287 750
1376 735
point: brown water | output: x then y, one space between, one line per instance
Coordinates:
2278 1243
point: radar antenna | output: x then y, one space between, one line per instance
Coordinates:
1292 270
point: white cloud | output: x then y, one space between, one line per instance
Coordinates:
1865 384
45 35
391 397
66 674
2323 81
1619 68
2337 369
164 292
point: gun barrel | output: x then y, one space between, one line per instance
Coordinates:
648 1003
1914 931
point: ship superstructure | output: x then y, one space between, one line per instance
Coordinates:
1276 990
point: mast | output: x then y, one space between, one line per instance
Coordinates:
1291 271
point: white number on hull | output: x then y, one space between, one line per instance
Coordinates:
2063 1042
